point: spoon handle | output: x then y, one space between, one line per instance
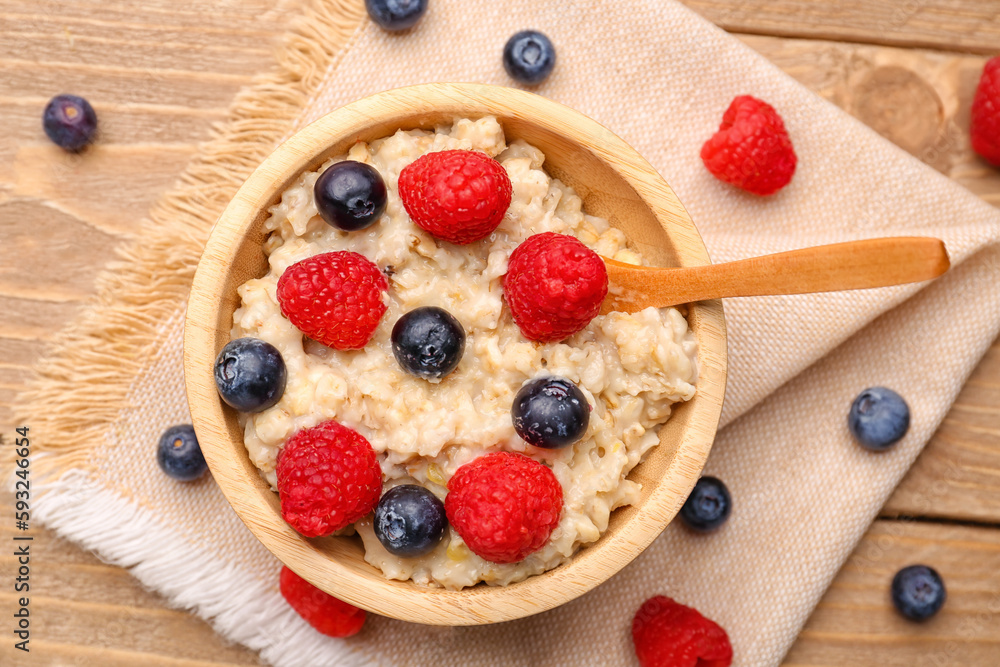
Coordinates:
840 266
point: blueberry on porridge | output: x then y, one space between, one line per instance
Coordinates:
459 202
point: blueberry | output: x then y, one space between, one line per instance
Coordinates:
529 57
708 506
250 374
428 342
350 195
409 521
396 15
179 454
918 592
879 417
70 122
550 412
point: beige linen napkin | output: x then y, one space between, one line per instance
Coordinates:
660 77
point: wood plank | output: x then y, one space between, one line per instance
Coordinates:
121 85
99 22
73 191
110 51
152 129
30 21
953 25
152 631
55 654
25 352
221 16
855 623
57 239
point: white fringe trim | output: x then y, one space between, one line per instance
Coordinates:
241 609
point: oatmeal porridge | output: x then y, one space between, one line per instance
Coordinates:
630 367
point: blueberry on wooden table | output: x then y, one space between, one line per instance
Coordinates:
350 195
879 418
70 122
918 592
250 374
179 453
708 506
550 412
428 342
395 15
529 57
409 521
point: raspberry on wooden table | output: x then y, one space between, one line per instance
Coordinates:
457 196
669 634
328 478
554 286
985 127
504 505
752 149
327 614
334 298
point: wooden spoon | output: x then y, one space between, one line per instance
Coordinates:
840 266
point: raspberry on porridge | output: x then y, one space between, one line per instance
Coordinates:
630 368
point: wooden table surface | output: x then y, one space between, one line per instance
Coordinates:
161 72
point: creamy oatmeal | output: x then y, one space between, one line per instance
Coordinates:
631 368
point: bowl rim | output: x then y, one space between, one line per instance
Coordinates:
405 600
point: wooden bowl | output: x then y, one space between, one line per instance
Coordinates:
615 183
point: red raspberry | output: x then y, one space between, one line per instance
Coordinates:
328 478
985 128
668 634
458 196
554 286
752 149
334 298
504 505
330 616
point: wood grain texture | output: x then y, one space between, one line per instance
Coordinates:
917 98
159 77
855 623
953 25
